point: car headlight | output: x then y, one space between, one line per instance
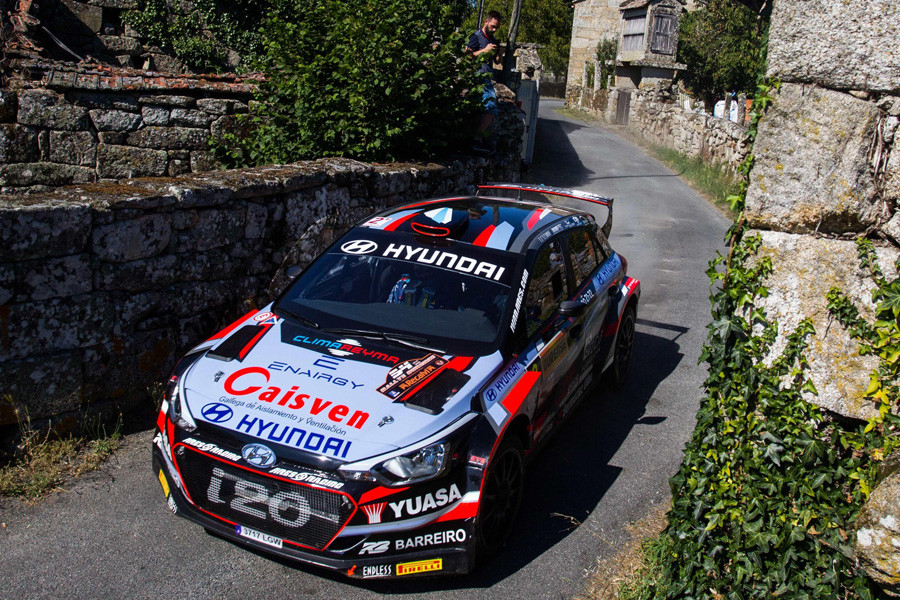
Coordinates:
430 458
418 465
176 411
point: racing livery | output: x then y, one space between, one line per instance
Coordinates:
376 418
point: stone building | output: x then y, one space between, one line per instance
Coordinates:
594 20
648 43
84 100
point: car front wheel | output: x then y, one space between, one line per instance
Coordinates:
501 495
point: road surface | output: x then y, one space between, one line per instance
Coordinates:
110 535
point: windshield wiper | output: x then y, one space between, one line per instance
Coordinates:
404 339
293 315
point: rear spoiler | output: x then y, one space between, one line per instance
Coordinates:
551 191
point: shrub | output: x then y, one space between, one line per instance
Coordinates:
374 80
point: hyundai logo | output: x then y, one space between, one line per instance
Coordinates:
216 412
359 247
258 455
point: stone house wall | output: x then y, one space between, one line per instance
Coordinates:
65 124
593 20
103 285
827 170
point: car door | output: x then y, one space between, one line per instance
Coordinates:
547 338
586 328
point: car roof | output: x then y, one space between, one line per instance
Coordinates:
507 224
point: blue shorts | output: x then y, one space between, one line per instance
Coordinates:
489 98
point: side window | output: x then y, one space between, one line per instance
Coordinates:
547 287
584 255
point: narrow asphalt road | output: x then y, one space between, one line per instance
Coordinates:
110 535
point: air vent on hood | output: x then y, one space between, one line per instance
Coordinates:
239 344
432 398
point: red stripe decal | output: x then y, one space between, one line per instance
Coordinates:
233 326
484 236
378 493
534 218
465 510
246 349
161 421
461 363
517 395
395 224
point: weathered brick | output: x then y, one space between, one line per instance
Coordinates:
18 144
45 385
101 100
115 120
125 241
203 161
166 100
56 278
189 117
169 138
125 161
7 283
73 147
155 115
117 44
139 275
211 228
43 108
44 173
41 229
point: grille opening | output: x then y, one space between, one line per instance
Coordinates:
296 513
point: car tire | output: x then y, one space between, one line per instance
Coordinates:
501 496
618 370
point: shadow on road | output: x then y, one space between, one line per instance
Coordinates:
557 162
567 479
570 476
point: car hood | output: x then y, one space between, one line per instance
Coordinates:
341 396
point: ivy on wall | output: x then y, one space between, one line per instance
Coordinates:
765 498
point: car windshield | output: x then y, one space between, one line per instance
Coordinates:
407 300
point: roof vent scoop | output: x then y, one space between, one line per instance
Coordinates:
440 222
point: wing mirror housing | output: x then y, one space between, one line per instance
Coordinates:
571 308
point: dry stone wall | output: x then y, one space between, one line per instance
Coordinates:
103 285
655 116
64 124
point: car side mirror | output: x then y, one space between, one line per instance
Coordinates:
571 308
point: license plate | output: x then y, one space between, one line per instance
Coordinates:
259 536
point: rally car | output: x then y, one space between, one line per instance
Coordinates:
376 418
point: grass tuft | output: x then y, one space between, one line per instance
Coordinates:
715 182
44 462
635 568
711 179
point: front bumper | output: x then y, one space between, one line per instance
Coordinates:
419 544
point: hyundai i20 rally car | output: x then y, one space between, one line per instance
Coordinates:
375 419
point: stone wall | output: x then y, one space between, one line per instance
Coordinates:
103 285
655 116
826 170
65 124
